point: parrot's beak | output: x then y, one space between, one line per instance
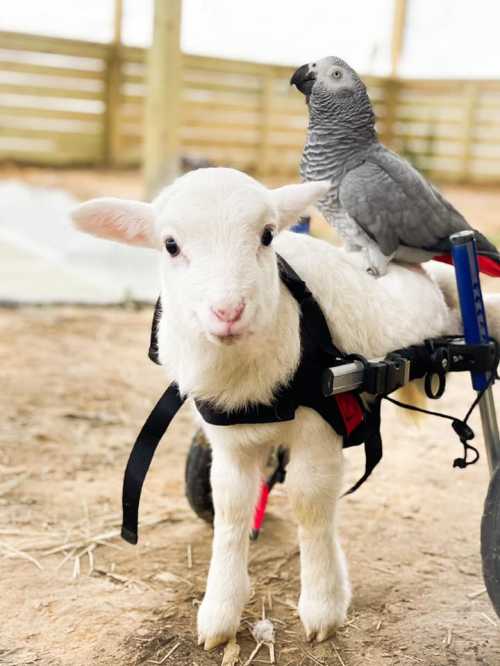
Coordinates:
303 79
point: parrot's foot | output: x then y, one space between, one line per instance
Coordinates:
351 246
375 261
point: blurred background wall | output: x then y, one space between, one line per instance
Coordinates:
138 91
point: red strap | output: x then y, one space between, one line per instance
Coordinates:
350 410
487 265
260 509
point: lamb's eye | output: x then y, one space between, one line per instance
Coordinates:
171 246
267 236
337 73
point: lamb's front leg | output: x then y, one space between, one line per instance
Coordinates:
235 478
313 480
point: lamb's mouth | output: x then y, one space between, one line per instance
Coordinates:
223 340
228 339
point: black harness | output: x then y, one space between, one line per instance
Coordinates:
346 413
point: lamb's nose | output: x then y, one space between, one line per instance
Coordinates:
229 314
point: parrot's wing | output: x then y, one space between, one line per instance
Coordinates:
483 244
395 205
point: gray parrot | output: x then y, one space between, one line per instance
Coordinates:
378 202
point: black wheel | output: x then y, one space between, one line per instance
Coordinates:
490 540
198 488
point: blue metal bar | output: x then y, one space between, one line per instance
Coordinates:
464 253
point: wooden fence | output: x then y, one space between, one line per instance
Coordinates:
67 102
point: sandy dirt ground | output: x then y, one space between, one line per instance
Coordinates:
76 386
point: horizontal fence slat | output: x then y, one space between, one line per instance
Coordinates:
66 139
59 45
44 81
46 91
56 126
48 158
47 70
52 114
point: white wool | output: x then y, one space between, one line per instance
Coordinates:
263 631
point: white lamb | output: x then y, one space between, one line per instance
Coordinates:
230 334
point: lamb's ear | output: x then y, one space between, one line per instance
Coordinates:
292 200
120 220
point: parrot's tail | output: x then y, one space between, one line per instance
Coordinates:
489 262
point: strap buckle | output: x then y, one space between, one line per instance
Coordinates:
383 377
453 354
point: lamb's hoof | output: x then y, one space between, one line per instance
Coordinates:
320 636
213 641
322 618
217 623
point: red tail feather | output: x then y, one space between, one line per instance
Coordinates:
487 265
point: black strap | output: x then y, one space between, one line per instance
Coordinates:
312 317
282 408
141 455
373 445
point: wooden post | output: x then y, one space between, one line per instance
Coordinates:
118 22
113 92
163 98
263 152
471 95
391 94
398 34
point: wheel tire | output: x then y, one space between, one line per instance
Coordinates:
490 540
197 477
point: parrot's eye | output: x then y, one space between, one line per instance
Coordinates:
337 73
171 246
267 236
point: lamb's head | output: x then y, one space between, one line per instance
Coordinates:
214 229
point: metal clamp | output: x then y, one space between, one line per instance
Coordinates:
376 377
